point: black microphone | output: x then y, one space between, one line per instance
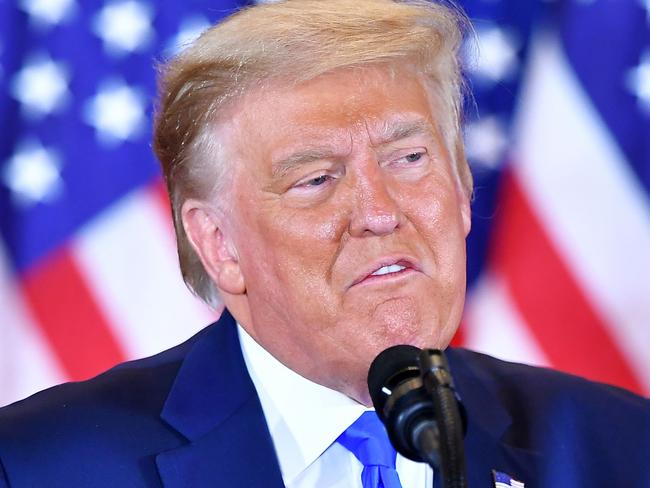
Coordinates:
413 395
402 404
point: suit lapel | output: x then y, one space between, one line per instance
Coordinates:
214 405
488 443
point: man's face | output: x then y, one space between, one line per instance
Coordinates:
348 222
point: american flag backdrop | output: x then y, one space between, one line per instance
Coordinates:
558 135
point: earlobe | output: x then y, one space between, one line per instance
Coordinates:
230 278
204 228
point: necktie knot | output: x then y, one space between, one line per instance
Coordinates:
367 439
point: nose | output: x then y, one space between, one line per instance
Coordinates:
374 210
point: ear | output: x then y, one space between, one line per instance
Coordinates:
204 227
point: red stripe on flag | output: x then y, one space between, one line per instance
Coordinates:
158 190
71 321
558 313
459 338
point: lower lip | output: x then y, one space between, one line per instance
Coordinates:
387 278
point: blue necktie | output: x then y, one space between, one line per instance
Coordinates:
367 439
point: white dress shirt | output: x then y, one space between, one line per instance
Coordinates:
305 419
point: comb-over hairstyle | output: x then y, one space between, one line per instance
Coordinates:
291 41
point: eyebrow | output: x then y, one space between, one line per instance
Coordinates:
281 168
391 131
401 129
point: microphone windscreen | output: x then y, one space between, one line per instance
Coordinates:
390 367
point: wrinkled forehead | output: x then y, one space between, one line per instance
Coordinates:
334 110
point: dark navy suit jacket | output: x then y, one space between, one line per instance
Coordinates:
190 417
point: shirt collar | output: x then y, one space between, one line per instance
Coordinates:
304 418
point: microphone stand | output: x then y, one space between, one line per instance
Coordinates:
439 385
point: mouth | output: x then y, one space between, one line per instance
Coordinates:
386 270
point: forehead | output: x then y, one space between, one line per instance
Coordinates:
332 110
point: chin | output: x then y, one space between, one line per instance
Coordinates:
422 335
409 333
403 322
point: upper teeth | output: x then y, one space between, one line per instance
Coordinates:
393 268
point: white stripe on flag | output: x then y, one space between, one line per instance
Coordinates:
587 198
26 363
492 324
129 259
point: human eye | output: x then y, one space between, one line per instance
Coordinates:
409 161
312 183
316 181
411 157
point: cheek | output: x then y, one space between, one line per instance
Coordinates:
307 241
293 250
432 210
436 214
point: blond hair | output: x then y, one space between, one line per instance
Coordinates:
291 41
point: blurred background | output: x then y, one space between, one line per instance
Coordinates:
558 135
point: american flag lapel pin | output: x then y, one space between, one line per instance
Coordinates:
503 480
